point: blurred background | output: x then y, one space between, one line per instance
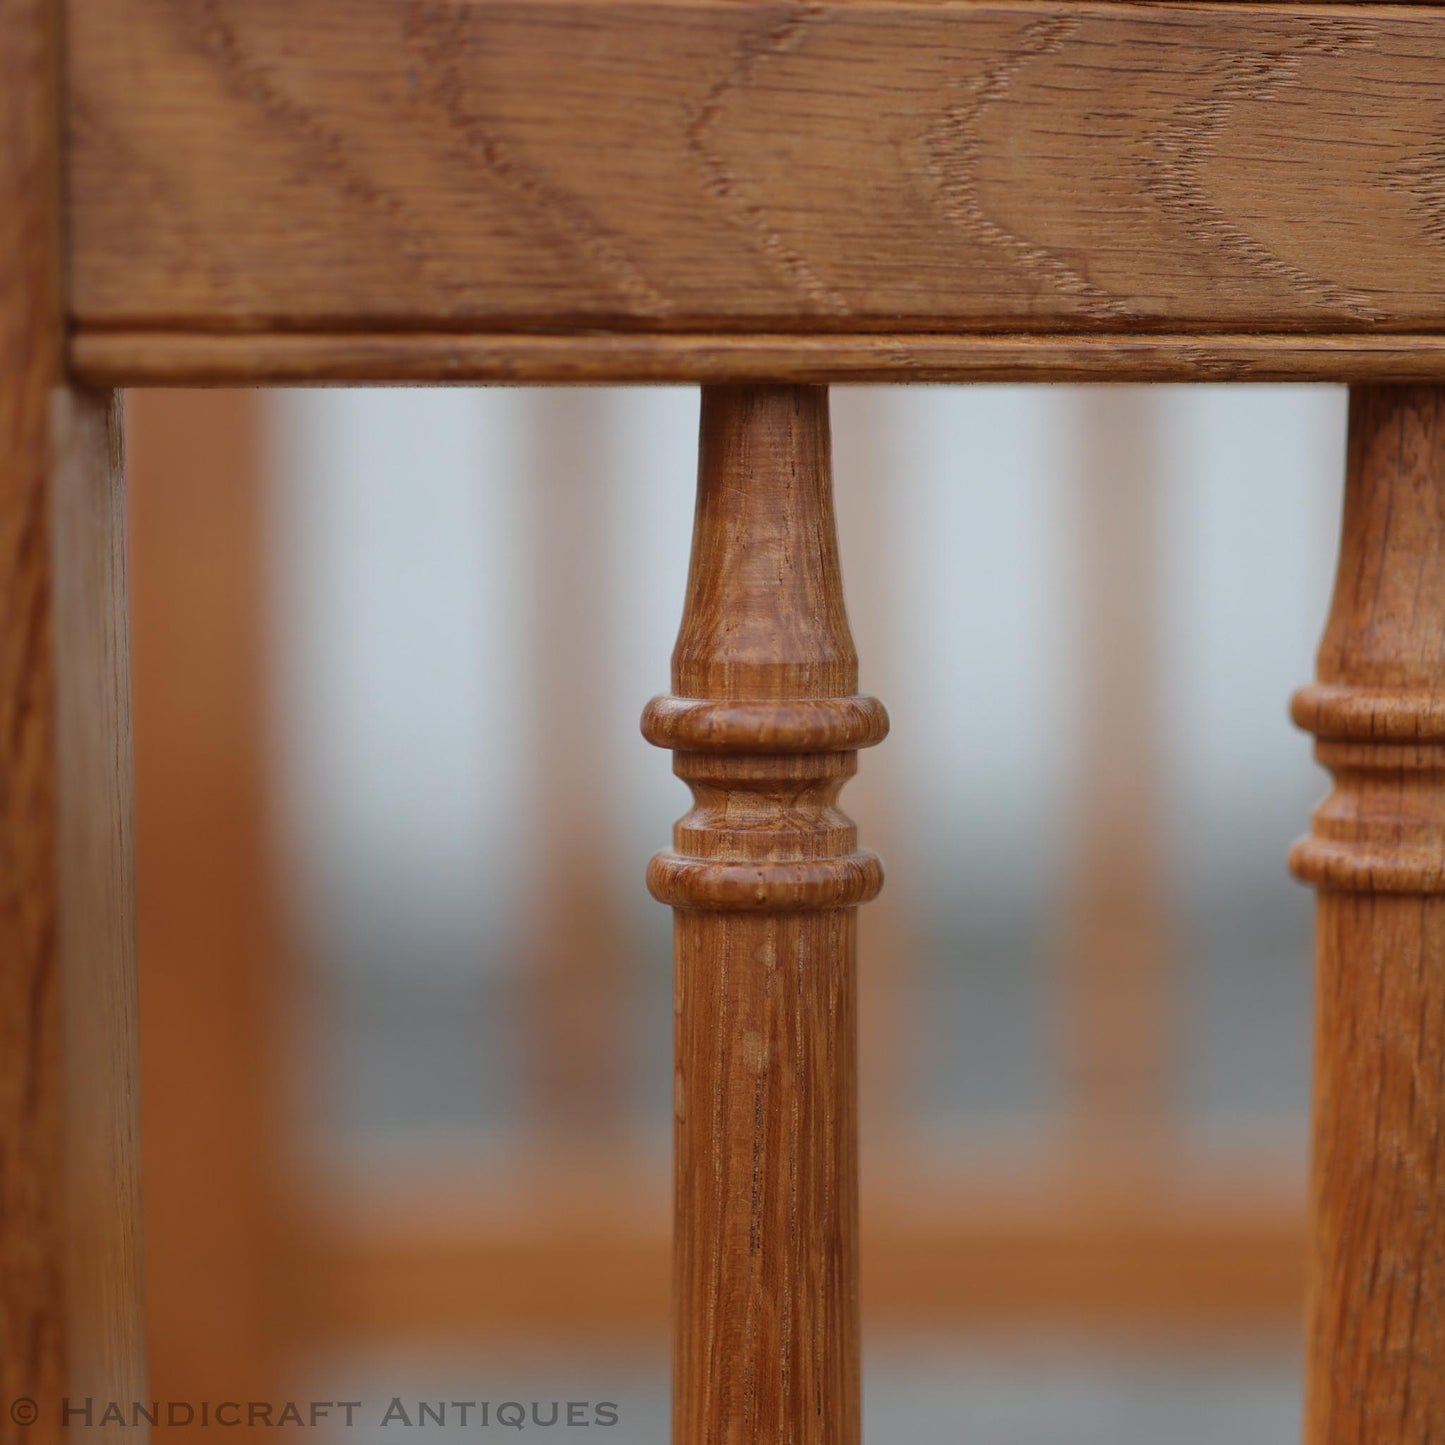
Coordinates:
406 1110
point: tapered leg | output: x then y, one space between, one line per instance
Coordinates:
1376 1294
765 876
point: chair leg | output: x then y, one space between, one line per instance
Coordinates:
69 1252
765 877
223 1285
1375 1369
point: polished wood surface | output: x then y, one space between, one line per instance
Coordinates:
1056 168
69 1218
764 876
1375 1369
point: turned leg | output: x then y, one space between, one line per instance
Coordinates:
765 877
1376 1296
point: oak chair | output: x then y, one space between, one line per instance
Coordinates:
762 198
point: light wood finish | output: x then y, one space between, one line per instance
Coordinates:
1114 1018
1058 168
572 190
172 358
1376 1313
214 990
1201 1263
764 875
69 1216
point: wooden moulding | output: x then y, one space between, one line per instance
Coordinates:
171 358
729 190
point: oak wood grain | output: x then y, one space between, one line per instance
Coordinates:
763 875
717 166
1376 1288
69 1281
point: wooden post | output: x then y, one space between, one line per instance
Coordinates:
764 876
1376 1292
69 1194
221 1285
